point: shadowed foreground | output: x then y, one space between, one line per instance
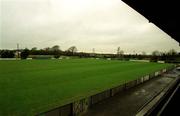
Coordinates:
127 103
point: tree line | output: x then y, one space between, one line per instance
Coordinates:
24 53
56 52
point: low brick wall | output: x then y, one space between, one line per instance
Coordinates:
151 75
156 73
139 81
164 70
61 111
80 106
101 96
130 84
116 90
146 78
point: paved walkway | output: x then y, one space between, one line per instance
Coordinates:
127 103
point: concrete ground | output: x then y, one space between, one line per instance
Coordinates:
128 102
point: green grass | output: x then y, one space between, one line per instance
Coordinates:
34 86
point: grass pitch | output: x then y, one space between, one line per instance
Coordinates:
31 86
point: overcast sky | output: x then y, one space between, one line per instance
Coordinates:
87 24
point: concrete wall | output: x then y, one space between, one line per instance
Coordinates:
80 106
130 84
117 89
65 110
101 96
146 78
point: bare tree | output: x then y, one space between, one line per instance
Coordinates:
172 52
119 52
156 53
155 56
55 48
34 48
72 49
143 53
47 49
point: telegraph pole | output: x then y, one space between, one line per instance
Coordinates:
17 50
93 52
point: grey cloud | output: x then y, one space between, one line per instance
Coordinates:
100 24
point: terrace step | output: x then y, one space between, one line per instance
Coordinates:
128 103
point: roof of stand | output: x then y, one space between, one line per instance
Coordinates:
163 13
